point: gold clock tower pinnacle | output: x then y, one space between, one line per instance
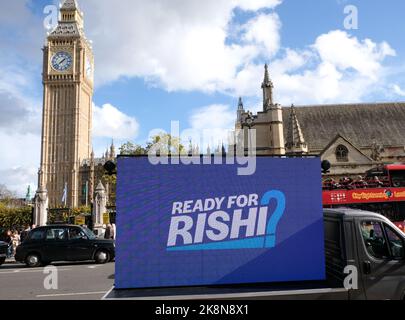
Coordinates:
67 107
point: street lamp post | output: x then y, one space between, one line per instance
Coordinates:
249 122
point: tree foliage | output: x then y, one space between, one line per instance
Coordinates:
80 210
11 218
131 149
163 143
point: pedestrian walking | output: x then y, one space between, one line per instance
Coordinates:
114 230
25 233
15 241
9 240
108 232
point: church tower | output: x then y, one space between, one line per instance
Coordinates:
67 107
275 113
240 112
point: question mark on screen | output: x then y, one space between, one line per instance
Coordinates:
270 240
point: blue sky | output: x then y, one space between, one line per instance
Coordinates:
189 61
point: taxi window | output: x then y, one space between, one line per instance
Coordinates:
36 235
56 234
76 233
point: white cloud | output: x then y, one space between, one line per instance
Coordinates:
346 52
263 31
337 68
19 112
397 89
22 34
20 158
255 5
20 129
212 117
210 125
109 122
179 45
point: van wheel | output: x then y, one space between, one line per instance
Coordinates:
102 257
2 260
33 260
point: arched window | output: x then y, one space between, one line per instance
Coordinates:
342 154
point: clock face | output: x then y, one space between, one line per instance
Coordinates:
61 61
89 69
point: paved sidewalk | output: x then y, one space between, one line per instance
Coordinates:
10 261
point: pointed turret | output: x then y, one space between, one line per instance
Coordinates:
208 151
112 151
100 187
240 111
197 150
295 143
28 196
267 87
70 5
266 74
71 21
240 104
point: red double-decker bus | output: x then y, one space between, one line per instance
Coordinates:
381 190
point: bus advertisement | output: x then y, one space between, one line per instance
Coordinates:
382 190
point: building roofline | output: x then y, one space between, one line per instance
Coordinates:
355 104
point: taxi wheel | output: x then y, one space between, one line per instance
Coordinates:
33 260
102 257
2 260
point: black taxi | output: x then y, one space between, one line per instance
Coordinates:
56 243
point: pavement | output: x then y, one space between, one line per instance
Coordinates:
74 281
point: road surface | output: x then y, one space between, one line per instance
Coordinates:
75 281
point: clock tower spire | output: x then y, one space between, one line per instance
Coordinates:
67 106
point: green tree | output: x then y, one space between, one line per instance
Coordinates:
14 217
165 144
131 149
81 210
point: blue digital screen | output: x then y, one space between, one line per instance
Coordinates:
191 225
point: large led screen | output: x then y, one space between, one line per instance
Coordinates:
191 225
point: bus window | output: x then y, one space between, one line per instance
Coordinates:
398 179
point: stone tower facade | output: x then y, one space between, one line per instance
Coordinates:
268 123
67 107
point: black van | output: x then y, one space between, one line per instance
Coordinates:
48 244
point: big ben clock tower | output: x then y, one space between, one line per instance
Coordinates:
67 107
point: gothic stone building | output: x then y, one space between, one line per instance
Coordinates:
67 160
353 137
